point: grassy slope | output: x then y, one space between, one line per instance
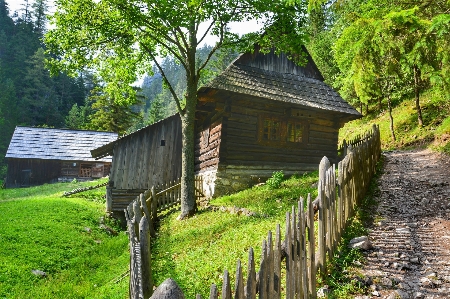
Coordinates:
435 133
195 252
41 230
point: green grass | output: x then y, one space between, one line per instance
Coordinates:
434 134
62 237
195 252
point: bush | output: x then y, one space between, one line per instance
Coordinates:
275 181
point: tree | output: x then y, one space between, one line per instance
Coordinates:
131 33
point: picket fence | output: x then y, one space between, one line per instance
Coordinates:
303 257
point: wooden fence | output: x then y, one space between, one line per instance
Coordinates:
303 253
141 216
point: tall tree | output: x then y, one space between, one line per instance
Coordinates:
87 32
39 12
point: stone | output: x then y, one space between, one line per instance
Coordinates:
39 273
402 230
360 243
426 282
323 292
392 296
386 282
401 294
418 295
169 289
376 293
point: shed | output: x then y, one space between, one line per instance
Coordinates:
145 158
43 155
262 114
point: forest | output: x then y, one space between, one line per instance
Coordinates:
376 54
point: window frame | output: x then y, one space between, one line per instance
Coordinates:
283 135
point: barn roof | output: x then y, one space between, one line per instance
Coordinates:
275 77
57 144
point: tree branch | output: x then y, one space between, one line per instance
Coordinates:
172 91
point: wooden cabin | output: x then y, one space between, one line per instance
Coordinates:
262 114
42 155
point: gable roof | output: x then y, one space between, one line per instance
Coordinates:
277 78
57 144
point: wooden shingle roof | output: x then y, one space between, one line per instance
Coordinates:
274 77
57 144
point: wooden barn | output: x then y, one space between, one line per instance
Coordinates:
262 114
145 158
42 155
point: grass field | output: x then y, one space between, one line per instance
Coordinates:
40 230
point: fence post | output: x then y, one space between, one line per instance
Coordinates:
108 199
251 276
239 287
311 250
154 205
144 240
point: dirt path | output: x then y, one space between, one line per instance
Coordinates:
411 233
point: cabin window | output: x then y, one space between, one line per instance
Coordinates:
294 131
271 130
282 131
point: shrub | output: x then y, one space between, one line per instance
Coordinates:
274 182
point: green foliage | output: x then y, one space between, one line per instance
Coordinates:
436 109
62 237
275 180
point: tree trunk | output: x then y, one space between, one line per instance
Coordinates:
367 108
379 105
361 107
188 203
391 126
416 92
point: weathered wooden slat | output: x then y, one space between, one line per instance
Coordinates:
250 288
213 293
294 259
277 264
270 267
289 266
311 250
239 286
263 273
144 240
226 287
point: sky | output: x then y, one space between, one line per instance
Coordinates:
241 28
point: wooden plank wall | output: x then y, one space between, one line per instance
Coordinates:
42 171
140 161
242 146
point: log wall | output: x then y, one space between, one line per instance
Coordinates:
245 160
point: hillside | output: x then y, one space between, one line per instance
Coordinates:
435 133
